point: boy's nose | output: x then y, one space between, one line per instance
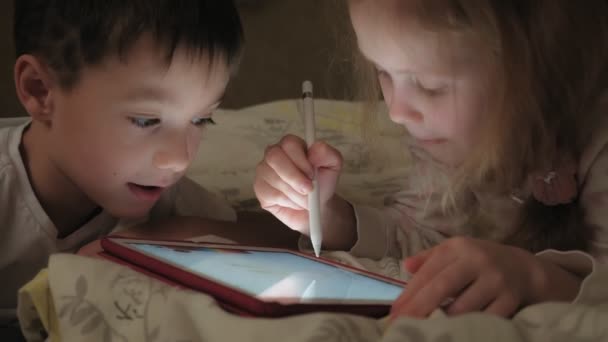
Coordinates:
175 156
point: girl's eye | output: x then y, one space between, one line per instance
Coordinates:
202 122
144 122
430 91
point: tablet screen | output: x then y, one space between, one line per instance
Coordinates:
277 276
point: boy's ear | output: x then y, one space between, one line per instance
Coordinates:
34 85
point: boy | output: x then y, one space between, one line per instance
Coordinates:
118 93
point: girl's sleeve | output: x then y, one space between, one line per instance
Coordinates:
594 201
593 182
390 232
593 177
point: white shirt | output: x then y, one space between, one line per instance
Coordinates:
28 236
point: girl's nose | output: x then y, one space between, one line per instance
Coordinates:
401 112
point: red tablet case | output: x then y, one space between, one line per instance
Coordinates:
231 299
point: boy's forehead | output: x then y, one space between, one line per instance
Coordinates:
147 47
146 76
147 93
158 94
152 60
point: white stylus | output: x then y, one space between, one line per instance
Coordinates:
314 202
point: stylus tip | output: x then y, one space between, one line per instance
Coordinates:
317 250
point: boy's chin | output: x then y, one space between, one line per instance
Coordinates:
131 213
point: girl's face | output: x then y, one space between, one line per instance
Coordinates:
433 83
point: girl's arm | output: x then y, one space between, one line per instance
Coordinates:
559 275
551 282
390 231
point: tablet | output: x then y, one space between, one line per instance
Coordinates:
261 281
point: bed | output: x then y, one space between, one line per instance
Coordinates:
78 298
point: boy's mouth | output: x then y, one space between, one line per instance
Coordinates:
146 192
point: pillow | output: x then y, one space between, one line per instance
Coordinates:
231 150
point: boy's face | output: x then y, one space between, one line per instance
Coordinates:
130 128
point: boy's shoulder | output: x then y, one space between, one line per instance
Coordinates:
10 137
13 174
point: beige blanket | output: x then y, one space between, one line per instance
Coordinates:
82 299
373 164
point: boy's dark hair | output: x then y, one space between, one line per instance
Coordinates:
71 34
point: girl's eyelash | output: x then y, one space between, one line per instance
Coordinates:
201 122
144 122
426 90
416 82
433 92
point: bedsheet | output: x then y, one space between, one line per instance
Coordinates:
84 299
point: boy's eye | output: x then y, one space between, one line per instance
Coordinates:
144 122
201 122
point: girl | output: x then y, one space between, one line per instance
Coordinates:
505 106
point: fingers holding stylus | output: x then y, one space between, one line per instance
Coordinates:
289 160
328 162
273 191
285 169
288 169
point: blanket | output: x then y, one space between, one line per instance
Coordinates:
84 299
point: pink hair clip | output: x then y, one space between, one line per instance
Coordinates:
555 187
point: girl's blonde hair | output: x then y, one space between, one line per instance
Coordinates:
551 59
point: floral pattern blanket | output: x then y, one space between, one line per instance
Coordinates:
83 299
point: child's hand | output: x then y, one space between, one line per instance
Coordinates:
479 276
284 179
92 249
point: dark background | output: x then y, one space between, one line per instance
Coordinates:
287 41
